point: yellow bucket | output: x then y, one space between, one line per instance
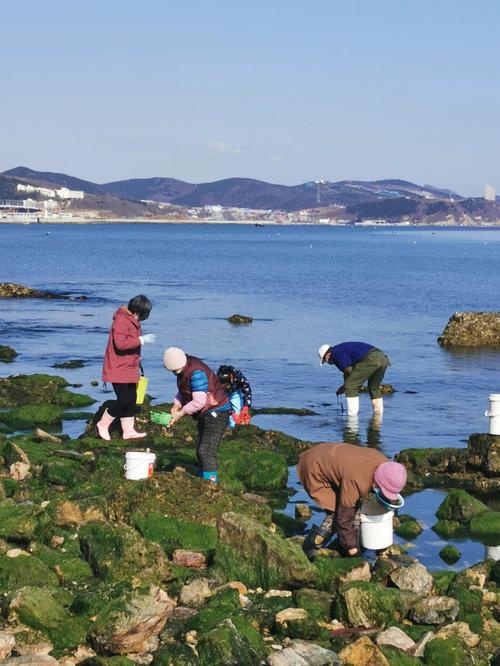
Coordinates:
142 386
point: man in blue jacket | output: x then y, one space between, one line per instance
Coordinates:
359 362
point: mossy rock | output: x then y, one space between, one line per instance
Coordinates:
32 416
296 624
409 528
447 651
264 609
288 525
63 472
226 644
363 604
442 581
450 529
250 552
253 438
91 597
239 319
17 572
296 411
450 554
118 552
470 606
460 506
329 571
171 533
39 608
7 354
317 603
71 569
397 657
108 661
39 389
174 655
262 470
20 522
486 527
37 452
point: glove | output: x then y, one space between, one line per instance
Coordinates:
236 418
340 390
244 415
150 337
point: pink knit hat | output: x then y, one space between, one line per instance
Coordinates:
390 477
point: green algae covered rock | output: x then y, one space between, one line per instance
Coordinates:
128 623
450 554
20 522
171 533
250 552
363 604
16 572
108 661
450 529
70 569
263 470
331 570
486 527
226 645
40 609
460 506
31 416
7 354
64 472
442 581
39 389
447 651
119 553
318 604
409 528
397 657
174 655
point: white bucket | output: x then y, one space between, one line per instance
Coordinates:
376 526
494 414
139 464
493 553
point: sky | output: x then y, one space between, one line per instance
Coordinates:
278 90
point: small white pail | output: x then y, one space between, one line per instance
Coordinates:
494 414
493 553
376 526
139 464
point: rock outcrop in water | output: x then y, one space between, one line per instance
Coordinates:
472 329
97 570
12 290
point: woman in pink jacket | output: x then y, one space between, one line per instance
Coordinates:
121 367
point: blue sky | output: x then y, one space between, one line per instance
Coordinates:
278 90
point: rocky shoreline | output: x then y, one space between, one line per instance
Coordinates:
99 570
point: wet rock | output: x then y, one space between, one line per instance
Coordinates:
172 534
20 522
189 559
68 514
16 572
70 365
450 651
294 623
225 644
471 329
435 610
40 435
303 653
303 511
7 354
195 593
361 604
484 453
128 625
459 505
239 319
462 630
38 389
475 576
486 527
409 528
395 637
317 604
363 652
249 551
118 553
413 578
7 642
36 660
450 554
449 529
13 290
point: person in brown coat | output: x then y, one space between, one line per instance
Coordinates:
338 476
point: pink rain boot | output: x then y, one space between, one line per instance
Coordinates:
103 425
129 432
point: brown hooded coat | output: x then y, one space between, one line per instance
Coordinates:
337 476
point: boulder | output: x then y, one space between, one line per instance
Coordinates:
39 389
249 551
486 527
303 653
239 319
450 651
413 578
7 642
462 630
396 638
7 354
450 554
435 610
471 329
459 505
227 644
361 604
195 593
363 652
189 558
129 624
14 290
484 453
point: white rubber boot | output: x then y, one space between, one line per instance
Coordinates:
103 425
352 406
378 406
129 432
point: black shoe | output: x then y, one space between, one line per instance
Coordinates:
315 539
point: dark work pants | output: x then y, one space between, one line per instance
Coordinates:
124 405
211 427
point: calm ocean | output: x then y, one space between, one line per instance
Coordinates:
303 286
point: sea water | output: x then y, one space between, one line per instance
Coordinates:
303 286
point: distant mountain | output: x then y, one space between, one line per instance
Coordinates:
251 193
